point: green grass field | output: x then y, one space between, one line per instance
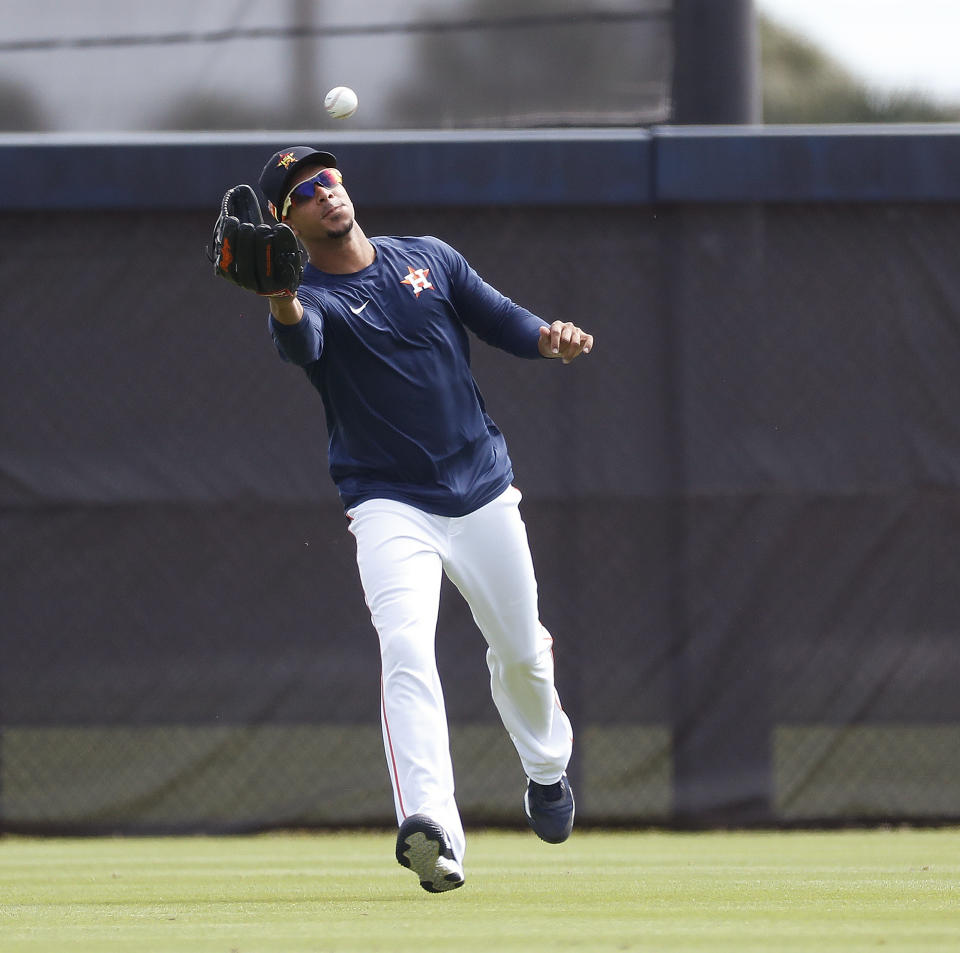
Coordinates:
888 890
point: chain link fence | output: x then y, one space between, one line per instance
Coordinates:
743 510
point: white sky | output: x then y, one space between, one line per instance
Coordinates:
892 44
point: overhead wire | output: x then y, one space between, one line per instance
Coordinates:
522 21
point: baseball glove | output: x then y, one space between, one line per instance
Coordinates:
259 257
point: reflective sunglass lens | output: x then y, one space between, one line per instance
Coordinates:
326 178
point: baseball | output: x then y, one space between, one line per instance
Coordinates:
341 102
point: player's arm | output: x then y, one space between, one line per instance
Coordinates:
268 260
297 329
496 319
286 311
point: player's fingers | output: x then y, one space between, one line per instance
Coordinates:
579 343
566 340
556 330
569 342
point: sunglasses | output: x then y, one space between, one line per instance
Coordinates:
305 191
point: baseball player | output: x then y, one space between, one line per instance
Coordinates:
380 326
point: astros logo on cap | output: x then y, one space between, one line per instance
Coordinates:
286 158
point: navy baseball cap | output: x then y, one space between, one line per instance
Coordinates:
281 168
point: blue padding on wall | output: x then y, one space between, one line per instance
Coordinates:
807 163
526 167
440 169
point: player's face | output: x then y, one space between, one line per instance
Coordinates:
318 205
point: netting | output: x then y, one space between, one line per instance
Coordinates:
241 65
743 513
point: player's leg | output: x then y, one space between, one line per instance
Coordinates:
400 569
490 563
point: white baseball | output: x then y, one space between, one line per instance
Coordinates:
341 102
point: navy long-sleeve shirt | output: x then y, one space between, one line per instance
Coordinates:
387 349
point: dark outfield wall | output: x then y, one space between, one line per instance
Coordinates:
743 506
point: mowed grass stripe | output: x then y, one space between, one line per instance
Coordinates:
602 891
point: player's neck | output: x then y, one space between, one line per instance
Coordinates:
342 256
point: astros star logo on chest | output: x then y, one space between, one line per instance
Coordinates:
417 279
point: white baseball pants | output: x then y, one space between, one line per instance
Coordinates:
401 554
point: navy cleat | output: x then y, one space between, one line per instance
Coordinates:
550 809
423 846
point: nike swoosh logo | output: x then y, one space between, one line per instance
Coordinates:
358 310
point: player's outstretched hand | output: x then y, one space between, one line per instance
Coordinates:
565 340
